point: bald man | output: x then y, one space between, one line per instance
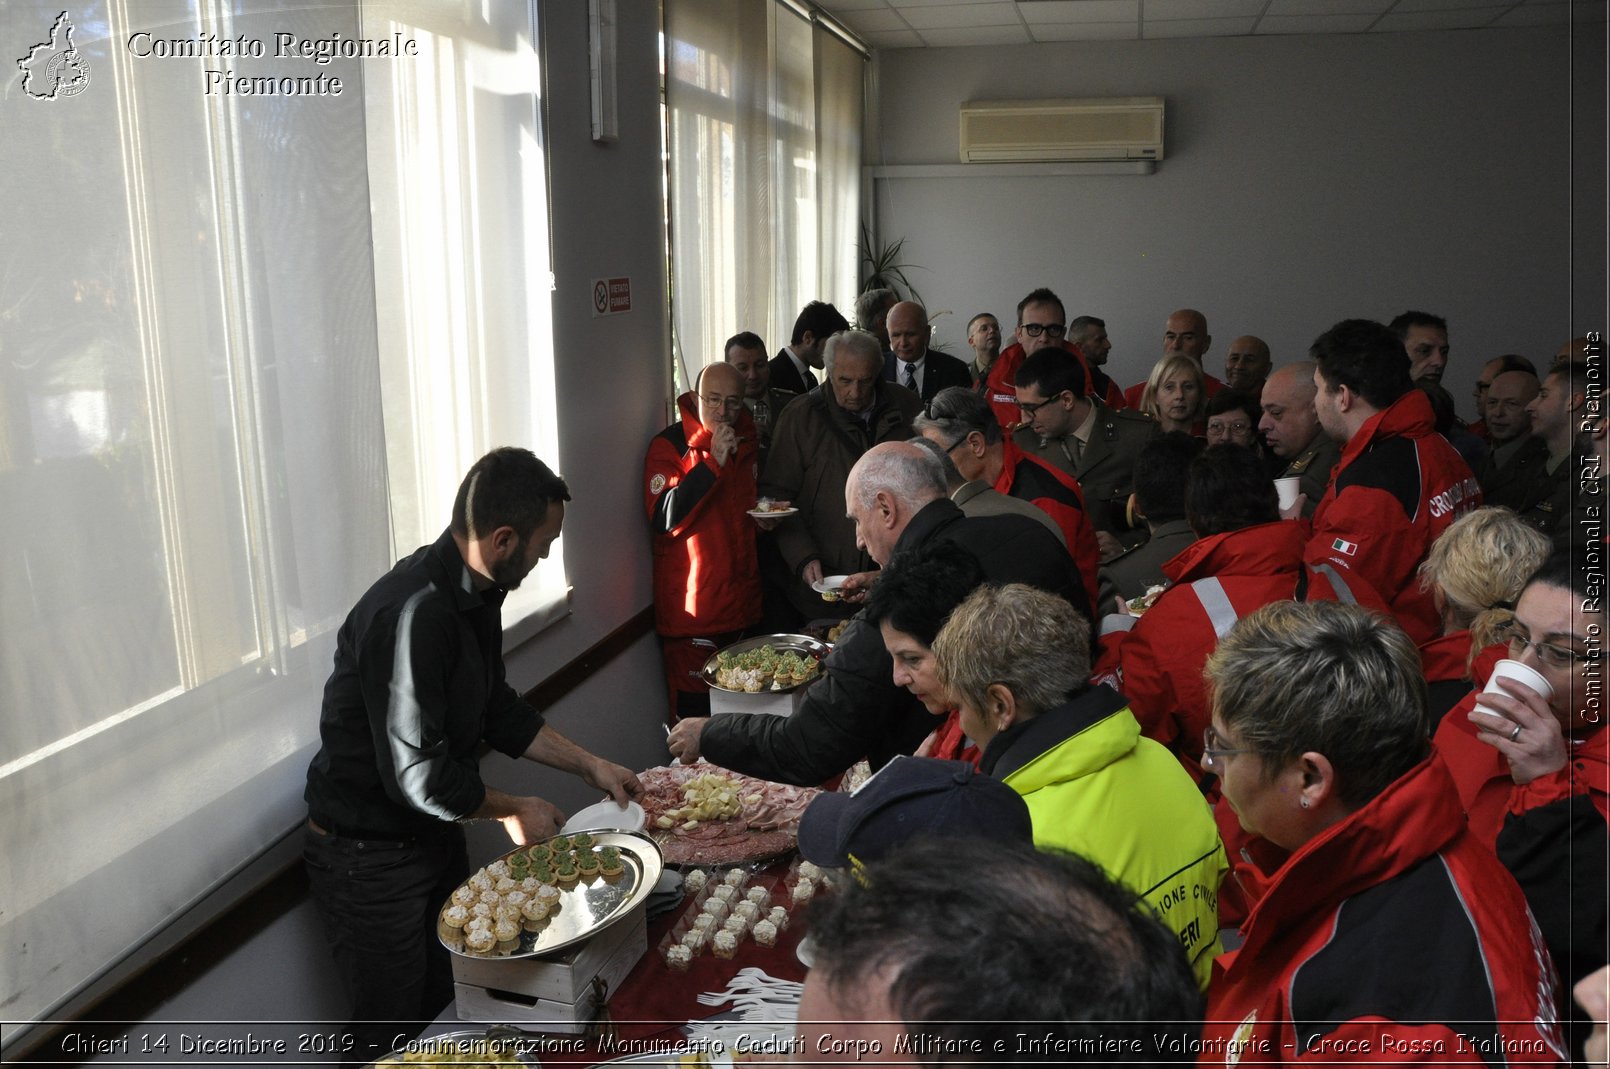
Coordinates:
1290 426
1513 473
921 370
1246 365
1184 332
698 486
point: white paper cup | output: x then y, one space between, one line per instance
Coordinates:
1288 489
1520 673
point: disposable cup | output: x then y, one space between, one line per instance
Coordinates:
1288 489
1520 673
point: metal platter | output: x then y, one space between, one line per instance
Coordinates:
804 645
586 907
513 1049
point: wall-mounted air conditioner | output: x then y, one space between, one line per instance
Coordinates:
1028 131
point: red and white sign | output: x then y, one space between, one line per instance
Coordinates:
611 296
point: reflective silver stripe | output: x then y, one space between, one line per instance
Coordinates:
1114 622
1344 593
1221 614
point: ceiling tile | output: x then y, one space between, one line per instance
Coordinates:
1201 9
1197 28
838 6
1435 20
1070 11
902 39
949 3
1327 7
927 18
1316 24
976 35
1087 31
872 21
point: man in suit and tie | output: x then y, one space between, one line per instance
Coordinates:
921 370
1095 444
747 355
791 367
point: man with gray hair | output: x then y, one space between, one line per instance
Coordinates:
1290 427
978 498
896 500
963 424
818 438
872 313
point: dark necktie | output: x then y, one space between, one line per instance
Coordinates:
911 377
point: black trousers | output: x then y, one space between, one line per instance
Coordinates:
379 900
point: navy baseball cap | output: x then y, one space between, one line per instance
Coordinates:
910 796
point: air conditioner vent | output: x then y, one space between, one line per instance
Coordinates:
1024 131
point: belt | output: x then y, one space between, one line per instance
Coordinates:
364 840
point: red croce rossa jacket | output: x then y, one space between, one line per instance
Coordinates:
1215 581
706 574
1397 487
1391 937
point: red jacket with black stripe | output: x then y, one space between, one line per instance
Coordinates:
1397 487
706 573
1391 937
1058 495
1214 582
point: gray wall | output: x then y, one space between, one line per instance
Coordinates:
1307 179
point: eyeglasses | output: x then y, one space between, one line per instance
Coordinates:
1052 330
1240 426
731 404
1212 752
1548 654
1029 408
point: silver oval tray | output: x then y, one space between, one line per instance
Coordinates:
586 907
804 645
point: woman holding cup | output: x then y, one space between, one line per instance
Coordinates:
1548 763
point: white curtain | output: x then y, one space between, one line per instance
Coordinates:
207 418
765 145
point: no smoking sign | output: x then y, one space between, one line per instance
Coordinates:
611 296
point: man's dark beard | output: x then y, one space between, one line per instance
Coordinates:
506 572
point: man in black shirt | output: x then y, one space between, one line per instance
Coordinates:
418 685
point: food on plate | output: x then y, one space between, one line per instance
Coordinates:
534 912
480 940
725 944
779 917
745 819
754 670
736 878
766 504
735 924
610 864
759 896
836 630
678 957
748 911
803 890
809 871
765 933
587 864
456 916
1145 601
694 881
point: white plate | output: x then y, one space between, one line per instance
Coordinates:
606 816
828 583
775 514
805 951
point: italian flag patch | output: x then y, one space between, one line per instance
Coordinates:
1342 545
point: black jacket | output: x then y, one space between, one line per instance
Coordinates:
939 370
854 710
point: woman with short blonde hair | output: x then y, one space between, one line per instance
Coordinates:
1176 394
1475 573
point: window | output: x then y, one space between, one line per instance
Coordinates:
229 398
765 150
